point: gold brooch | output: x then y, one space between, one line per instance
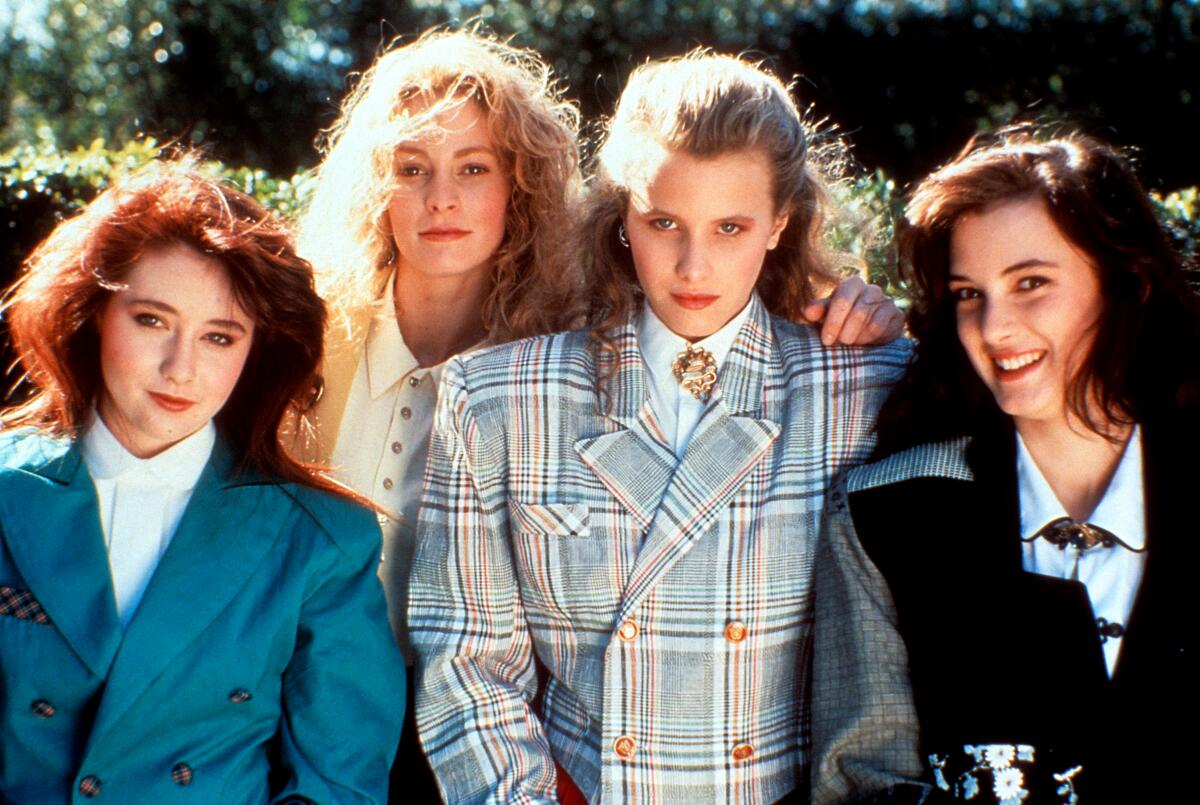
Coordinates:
696 371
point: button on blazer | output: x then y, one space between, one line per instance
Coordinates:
258 665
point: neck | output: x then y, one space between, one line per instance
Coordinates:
440 316
1077 463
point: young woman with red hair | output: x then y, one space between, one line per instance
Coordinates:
186 612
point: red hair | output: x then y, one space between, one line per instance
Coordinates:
52 308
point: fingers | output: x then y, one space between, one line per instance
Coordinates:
859 313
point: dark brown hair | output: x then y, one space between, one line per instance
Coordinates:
67 281
1148 318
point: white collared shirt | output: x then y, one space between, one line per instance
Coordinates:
678 412
141 503
1112 575
382 443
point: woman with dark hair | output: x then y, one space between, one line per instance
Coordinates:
1011 575
186 613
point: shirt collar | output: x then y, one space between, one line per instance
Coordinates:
1121 511
660 346
178 467
388 357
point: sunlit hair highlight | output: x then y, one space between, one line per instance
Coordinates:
1148 317
52 308
400 99
707 105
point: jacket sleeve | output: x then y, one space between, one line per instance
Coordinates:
865 736
343 689
476 676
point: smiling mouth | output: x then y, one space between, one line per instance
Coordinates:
694 301
173 404
444 234
1011 365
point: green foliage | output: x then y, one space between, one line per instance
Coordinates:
40 186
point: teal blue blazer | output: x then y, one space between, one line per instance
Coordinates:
258 667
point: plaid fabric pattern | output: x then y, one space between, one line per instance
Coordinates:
865 728
934 460
21 604
182 774
864 721
548 528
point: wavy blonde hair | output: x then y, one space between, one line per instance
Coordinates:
706 105
399 99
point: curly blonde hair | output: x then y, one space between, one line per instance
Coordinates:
706 105
399 99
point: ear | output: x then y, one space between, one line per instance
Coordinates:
781 222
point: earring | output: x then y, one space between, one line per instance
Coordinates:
621 236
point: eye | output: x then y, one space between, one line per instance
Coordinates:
410 171
663 224
730 228
220 339
475 169
1031 283
965 293
148 320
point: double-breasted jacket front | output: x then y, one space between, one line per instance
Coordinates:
664 604
257 667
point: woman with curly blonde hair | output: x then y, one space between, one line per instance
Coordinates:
436 225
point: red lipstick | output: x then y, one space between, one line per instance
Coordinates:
442 234
173 404
694 301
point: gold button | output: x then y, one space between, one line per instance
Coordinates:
397 447
742 751
406 413
628 631
387 483
735 631
624 747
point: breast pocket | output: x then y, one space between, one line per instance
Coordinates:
565 564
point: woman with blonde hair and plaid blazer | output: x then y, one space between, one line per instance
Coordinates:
611 595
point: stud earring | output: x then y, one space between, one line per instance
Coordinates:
621 236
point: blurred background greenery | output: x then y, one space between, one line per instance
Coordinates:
89 87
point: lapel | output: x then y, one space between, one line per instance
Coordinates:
680 501
633 461
343 350
229 526
1157 622
54 536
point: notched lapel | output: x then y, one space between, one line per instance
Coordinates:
53 524
719 458
229 526
633 463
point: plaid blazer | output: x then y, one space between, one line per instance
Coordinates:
665 605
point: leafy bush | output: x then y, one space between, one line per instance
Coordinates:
40 186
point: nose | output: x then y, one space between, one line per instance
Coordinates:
441 193
179 361
996 322
692 262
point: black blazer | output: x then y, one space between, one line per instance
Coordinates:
1001 656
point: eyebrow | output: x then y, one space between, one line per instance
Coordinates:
735 217
1032 262
462 152
163 307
